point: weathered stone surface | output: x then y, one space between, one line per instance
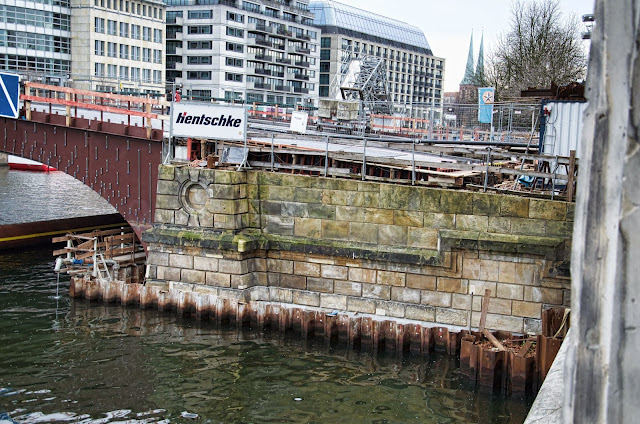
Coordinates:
478 269
350 213
435 298
423 282
357 304
390 278
307 269
502 322
280 266
479 287
300 210
527 274
338 230
376 291
499 224
293 281
168 273
321 285
425 238
363 275
226 192
164 201
512 206
308 227
181 261
306 298
510 291
307 195
168 187
526 309
402 294
472 222
205 264
158 258
506 272
192 276
378 216
398 197
547 210
333 301
320 211
241 281
439 220
532 326
528 227
346 288
500 306
364 232
452 285
279 225
486 204
277 294
408 218
229 177
392 235
218 279
335 272
164 216
543 295
420 313
451 316
458 202
166 172
559 229
233 267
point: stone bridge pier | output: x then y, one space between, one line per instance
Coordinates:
406 253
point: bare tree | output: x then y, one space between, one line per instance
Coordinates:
542 46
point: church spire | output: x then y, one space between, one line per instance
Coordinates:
479 79
468 72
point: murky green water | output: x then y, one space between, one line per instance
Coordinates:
68 360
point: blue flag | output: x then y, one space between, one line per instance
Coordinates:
486 96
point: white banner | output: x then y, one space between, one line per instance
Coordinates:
203 120
299 122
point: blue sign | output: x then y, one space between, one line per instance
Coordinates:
9 95
486 98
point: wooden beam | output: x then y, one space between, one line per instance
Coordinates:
524 349
68 103
485 309
572 171
110 96
493 339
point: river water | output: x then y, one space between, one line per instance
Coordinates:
67 360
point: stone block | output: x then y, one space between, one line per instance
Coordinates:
307 269
347 288
205 264
526 309
206 220
472 223
451 317
164 216
461 301
500 306
547 209
571 211
532 326
158 258
366 186
457 202
397 197
357 304
227 222
499 225
231 266
423 238
408 218
479 269
259 294
391 278
181 261
333 301
423 282
293 281
307 195
527 274
226 192
392 309
168 187
486 204
402 294
452 285
479 287
259 279
277 193
499 322
376 291
280 266
362 275
166 172
192 276
168 273
363 232
241 281
439 220
321 285
559 229
429 199
378 216
420 313
349 213
506 272
338 230
270 208
279 225
218 279
335 272
277 294
392 235
228 207
510 291
294 209
528 227
543 295
306 298
321 211
517 207
435 298
164 201
308 227
229 177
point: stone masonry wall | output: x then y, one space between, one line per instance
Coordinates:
407 252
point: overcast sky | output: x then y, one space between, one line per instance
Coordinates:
447 24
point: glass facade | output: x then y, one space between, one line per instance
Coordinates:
334 17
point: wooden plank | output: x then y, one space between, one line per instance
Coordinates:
493 339
524 349
120 238
64 251
485 309
91 106
61 239
572 171
111 96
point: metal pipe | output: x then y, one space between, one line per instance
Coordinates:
486 174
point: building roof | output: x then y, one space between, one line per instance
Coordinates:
334 17
469 78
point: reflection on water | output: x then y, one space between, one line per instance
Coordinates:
39 196
66 360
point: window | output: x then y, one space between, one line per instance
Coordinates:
233 77
99 24
135 53
235 32
135 74
200 14
99 69
325 54
111 27
233 47
146 34
146 55
157 77
112 49
199 45
99 48
232 61
255 98
172 46
324 79
201 29
157 36
112 71
324 91
199 75
157 56
124 72
124 51
172 15
325 66
135 32
199 60
251 7
124 29
325 42
146 75
235 17
144 10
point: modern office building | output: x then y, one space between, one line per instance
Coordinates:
35 38
414 74
118 45
263 51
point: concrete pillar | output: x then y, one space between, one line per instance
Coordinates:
4 159
602 370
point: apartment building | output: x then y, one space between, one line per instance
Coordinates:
414 74
118 45
259 51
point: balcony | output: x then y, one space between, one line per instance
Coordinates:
283 88
301 90
262 86
303 50
263 42
277 74
301 36
301 77
281 31
256 27
278 46
261 71
302 64
260 57
283 61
